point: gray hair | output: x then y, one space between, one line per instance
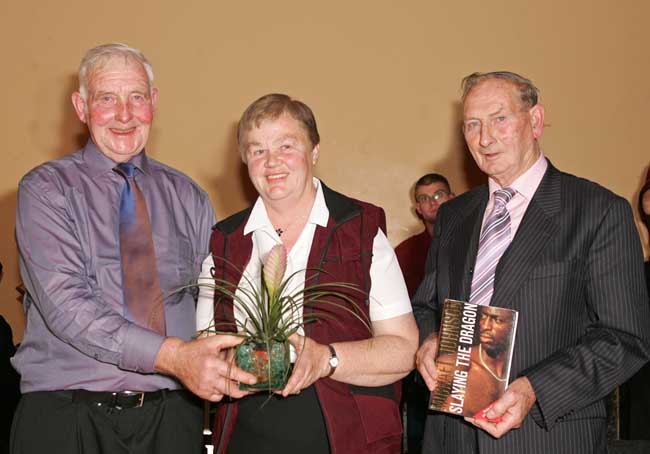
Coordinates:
97 56
528 92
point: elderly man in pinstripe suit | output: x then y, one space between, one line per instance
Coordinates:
572 266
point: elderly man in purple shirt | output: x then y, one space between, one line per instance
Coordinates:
93 380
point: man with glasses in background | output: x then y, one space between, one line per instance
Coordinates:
431 191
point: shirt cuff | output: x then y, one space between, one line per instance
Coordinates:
140 349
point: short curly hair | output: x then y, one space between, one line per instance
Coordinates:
271 107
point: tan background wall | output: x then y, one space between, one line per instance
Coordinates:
381 76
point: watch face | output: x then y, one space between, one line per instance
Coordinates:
334 361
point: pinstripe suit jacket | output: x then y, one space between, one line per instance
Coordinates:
574 271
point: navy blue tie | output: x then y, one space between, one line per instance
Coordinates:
140 281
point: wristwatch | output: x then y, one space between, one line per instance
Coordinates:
333 361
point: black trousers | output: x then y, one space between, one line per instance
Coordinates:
280 425
415 398
51 422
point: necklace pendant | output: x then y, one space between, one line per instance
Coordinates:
279 232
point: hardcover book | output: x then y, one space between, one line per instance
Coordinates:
475 345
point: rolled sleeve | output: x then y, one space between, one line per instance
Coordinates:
204 305
388 293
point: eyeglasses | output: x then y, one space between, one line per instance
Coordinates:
439 194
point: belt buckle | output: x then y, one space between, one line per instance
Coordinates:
133 393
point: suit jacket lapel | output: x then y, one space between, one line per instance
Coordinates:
537 227
464 246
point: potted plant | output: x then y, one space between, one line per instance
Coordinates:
273 313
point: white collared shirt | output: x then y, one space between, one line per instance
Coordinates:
388 294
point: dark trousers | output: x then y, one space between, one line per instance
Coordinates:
51 422
635 406
415 398
280 425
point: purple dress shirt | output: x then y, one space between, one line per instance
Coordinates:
67 229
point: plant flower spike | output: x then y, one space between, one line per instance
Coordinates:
274 268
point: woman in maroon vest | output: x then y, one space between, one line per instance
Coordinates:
342 395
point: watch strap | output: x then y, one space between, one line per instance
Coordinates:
333 364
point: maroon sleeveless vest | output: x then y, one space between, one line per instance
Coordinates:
359 420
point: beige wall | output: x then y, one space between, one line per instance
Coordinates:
381 76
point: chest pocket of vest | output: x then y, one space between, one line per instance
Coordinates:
343 258
348 268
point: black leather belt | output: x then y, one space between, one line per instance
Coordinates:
118 400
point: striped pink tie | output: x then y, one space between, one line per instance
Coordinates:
494 240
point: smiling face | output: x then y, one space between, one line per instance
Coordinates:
500 131
119 107
280 159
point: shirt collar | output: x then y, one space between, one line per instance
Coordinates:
526 184
140 161
99 163
259 218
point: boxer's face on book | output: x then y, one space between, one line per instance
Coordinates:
495 331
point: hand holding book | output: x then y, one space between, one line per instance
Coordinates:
425 360
509 411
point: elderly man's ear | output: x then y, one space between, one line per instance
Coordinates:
537 120
79 106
